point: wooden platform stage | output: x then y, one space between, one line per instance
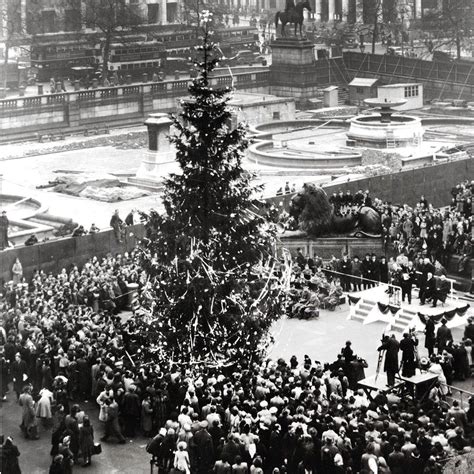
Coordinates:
378 384
418 385
379 295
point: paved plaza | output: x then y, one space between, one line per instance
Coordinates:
321 339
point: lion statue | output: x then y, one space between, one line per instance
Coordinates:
315 216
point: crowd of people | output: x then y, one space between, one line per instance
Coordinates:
64 343
312 288
436 233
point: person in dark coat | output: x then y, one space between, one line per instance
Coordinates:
204 448
10 454
383 270
391 346
72 429
430 339
131 410
84 378
19 374
4 223
443 336
129 220
442 290
86 441
409 361
117 225
427 288
345 267
367 271
357 273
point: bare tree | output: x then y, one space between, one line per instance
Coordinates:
454 21
13 33
114 19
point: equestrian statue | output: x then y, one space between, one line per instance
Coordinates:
292 14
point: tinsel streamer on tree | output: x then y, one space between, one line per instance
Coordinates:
213 285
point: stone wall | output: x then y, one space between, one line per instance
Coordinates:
325 248
440 79
435 182
21 118
53 255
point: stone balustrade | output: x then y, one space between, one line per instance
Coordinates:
128 104
157 88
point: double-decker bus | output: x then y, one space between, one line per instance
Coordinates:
56 59
136 58
63 56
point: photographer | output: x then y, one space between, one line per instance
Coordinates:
408 346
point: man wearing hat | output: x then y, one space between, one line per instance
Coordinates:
4 223
443 335
391 346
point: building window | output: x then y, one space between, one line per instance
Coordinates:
48 20
411 91
276 115
153 9
72 20
359 90
273 4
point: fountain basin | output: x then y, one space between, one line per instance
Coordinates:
400 131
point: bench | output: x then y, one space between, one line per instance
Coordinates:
51 137
97 131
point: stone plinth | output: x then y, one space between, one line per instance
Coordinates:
293 70
159 160
292 50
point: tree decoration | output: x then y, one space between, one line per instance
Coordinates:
213 286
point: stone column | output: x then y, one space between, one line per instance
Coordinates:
345 10
417 14
23 16
317 10
359 12
163 11
331 11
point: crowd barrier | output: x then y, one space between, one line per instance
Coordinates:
53 255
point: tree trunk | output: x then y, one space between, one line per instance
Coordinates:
105 56
374 35
5 67
458 47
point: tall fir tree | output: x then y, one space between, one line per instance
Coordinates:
211 291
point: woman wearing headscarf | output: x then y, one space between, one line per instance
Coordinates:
17 271
10 454
86 441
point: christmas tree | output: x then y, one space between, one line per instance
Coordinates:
213 286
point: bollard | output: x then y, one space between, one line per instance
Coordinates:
128 79
21 90
40 89
58 87
95 83
144 77
77 85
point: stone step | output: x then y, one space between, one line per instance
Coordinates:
146 184
409 311
361 313
366 301
366 307
407 317
396 327
356 317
